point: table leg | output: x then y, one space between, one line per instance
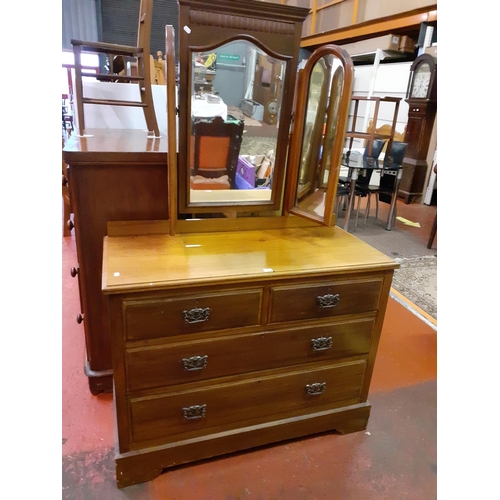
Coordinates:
352 195
394 199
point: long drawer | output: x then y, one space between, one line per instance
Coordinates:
148 319
181 362
320 300
188 413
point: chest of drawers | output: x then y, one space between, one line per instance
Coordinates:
223 342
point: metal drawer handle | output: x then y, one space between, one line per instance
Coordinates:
328 300
195 411
194 363
316 389
196 315
321 343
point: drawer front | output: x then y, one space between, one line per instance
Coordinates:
247 402
183 362
147 319
322 300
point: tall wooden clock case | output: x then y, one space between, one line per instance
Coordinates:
421 95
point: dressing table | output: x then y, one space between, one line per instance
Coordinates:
239 321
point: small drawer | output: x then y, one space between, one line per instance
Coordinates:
171 364
188 413
164 317
320 300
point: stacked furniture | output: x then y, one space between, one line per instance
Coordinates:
235 319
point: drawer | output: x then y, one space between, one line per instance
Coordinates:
320 300
164 317
228 405
181 362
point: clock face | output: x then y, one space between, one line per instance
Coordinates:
272 107
421 81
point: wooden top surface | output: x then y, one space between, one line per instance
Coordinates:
163 261
115 145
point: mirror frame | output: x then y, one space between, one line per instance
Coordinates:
295 153
275 29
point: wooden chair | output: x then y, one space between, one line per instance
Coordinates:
215 146
158 69
117 53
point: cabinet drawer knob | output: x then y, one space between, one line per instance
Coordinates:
196 315
321 343
70 224
316 389
79 318
329 300
194 363
74 271
195 411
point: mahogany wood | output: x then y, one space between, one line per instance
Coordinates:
115 175
257 377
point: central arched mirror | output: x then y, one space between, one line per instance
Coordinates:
236 100
236 83
325 86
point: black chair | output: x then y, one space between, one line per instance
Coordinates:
389 183
370 163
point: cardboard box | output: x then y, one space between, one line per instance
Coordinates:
406 44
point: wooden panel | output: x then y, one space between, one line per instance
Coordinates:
230 404
157 366
106 185
147 319
303 302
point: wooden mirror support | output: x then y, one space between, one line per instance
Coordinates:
325 86
238 62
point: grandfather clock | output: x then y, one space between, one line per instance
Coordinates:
421 95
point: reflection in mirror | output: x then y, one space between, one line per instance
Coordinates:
321 134
236 95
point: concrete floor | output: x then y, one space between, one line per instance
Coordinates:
395 458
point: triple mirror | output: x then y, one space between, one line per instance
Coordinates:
239 150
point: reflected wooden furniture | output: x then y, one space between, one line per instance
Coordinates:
157 68
223 342
142 78
115 175
215 153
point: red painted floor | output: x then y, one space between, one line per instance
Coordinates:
394 458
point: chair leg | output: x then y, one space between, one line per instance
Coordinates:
147 98
357 212
367 209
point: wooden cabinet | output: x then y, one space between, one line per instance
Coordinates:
257 336
113 175
233 317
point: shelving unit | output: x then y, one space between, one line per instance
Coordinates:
370 135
